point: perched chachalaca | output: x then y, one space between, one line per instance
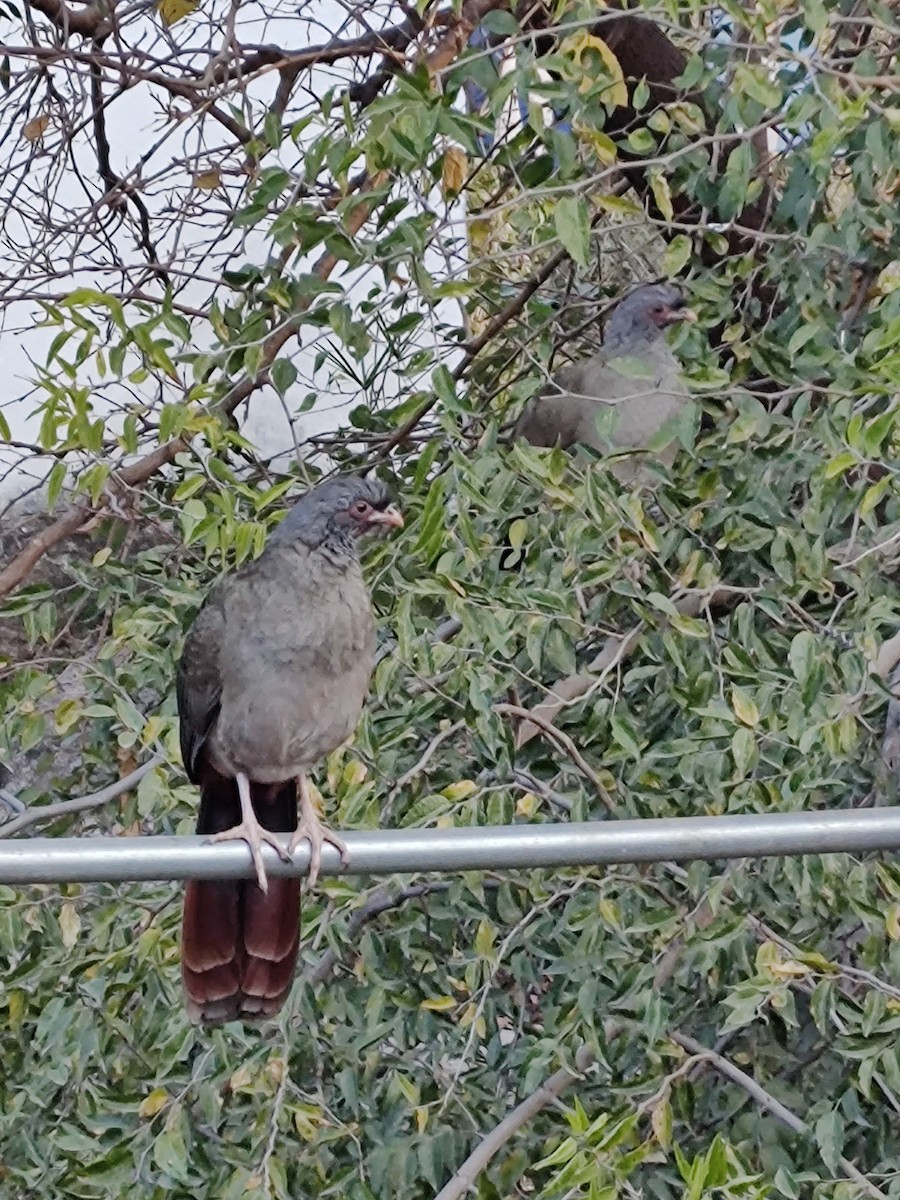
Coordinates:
273 677
645 388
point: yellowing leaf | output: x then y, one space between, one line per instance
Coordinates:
659 185
101 556
308 1119
516 532
619 204
527 805
484 939
174 10
455 167
439 1004
66 715
421 1119
892 922
15 1006
676 255
153 1103
601 143
789 968
69 924
459 790
661 1123
744 708
408 1088
581 43
840 463
35 128
354 772
242 1078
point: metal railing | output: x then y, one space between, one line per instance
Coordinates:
472 848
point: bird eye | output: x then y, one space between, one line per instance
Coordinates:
360 508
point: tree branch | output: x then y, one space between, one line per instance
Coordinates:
473 348
49 812
615 650
145 468
381 901
768 1103
551 1089
565 743
90 22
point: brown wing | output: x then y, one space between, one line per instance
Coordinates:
198 684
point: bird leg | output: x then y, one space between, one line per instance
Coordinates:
251 832
314 831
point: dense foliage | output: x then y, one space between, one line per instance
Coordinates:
432 260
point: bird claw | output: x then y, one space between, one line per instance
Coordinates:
254 835
317 834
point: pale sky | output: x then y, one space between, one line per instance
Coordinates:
134 125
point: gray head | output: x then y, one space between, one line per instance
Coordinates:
334 514
645 314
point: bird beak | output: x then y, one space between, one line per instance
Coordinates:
682 314
390 516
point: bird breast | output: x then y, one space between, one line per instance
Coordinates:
295 665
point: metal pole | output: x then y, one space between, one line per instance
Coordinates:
473 848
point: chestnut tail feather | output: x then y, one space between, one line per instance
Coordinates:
238 945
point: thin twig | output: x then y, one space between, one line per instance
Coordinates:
551 1089
768 1102
408 776
49 812
564 742
381 901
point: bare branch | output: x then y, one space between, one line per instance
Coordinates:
63 808
565 743
551 1089
145 468
768 1103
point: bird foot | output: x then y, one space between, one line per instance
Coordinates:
254 835
312 830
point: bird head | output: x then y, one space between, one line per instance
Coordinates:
337 512
646 313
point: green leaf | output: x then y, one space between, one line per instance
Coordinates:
677 255
283 374
803 655
570 217
829 1134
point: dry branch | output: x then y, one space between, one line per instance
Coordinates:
64 808
565 743
768 1103
550 1090
145 468
616 649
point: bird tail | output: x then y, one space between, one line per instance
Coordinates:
239 945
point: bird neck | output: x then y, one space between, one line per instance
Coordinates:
630 340
337 547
